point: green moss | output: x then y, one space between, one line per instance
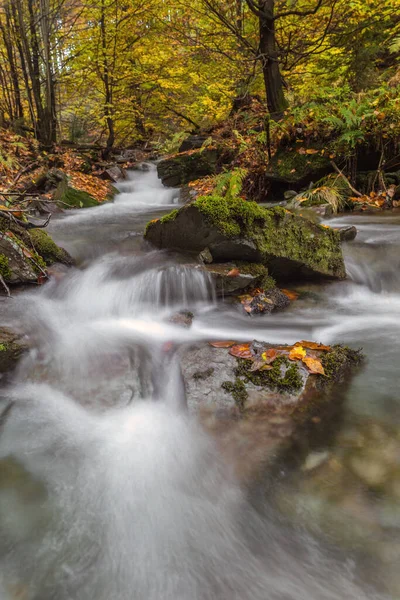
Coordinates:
3 348
292 166
73 198
261 271
340 359
47 248
238 391
169 217
5 270
291 236
284 375
203 374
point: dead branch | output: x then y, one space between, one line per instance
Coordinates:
353 189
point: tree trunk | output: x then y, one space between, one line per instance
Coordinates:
273 82
107 85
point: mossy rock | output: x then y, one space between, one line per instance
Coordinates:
290 169
69 197
290 246
189 166
48 249
24 254
12 346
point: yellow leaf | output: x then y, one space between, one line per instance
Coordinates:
297 353
311 151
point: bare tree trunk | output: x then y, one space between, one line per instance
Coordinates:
107 84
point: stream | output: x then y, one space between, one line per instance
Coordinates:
111 491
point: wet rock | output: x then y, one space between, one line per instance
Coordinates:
228 279
205 256
12 346
113 174
24 254
266 302
235 386
182 168
348 233
184 318
289 245
193 142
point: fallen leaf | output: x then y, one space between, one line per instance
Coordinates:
312 345
290 294
314 365
311 151
226 344
233 273
297 353
269 355
241 351
27 253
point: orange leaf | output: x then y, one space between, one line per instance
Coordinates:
269 355
241 351
290 294
226 344
233 273
314 365
297 353
27 253
312 345
311 151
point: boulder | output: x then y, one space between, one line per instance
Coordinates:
25 254
69 197
188 166
293 168
256 415
193 142
12 346
233 229
113 174
231 278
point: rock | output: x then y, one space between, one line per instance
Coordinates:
289 194
12 346
113 174
48 249
266 302
205 256
233 385
228 279
24 255
182 168
255 417
184 318
294 167
69 197
193 142
347 233
289 245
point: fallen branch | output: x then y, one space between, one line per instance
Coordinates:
353 189
5 286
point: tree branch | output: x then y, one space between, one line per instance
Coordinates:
299 13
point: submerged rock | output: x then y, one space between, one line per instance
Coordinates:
289 245
347 233
189 166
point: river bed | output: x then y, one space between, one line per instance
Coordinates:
119 498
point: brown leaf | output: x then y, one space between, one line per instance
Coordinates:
312 345
311 151
233 273
314 365
290 294
224 344
241 351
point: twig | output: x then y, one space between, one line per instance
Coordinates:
5 286
353 189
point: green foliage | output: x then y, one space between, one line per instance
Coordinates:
172 144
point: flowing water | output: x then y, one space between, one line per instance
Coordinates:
109 490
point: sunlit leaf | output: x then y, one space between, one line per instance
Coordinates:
314 365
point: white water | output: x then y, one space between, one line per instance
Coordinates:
109 491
